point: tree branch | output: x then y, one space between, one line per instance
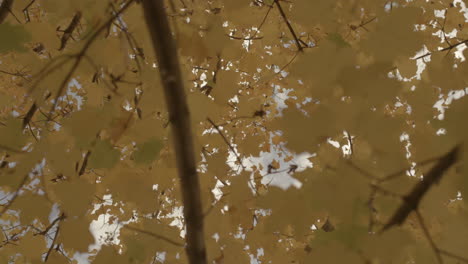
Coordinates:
67 33
157 236
448 254
53 242
10 202
429 238
26 11
5 8
78 57
168 63
226 141
449 48
59 218
413 198
85 163
296 39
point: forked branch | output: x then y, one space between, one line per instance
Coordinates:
53 65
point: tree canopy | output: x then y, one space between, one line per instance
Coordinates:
222 131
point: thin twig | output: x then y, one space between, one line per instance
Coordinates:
244 38
53 242
451 255
386 192
32 132
131 41
372 209
282 68
18 74
365 173
298 44
254 36
81 54
444 49
428 236
10 202
161 237
49 68
26 11
10 149
213 205
45 231
225 140
400 172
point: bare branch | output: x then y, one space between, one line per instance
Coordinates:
26 11
10 202
167 57
243 38
448 48
53 242
226 141
5 8
77 57
85 163
254 36
293 33
428 236
67 33
413 198
10 149
451 255
161 237
59 218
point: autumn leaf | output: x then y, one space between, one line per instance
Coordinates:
104 155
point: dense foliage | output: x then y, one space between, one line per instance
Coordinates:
325 131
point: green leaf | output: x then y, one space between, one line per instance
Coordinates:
104 156
13 37
148 151
338 40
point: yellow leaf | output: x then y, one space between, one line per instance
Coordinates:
74 233
394 35
66 193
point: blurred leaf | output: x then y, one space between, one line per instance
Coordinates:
13 38
11 135
74 196
148 151
338 40
75 233
104 155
